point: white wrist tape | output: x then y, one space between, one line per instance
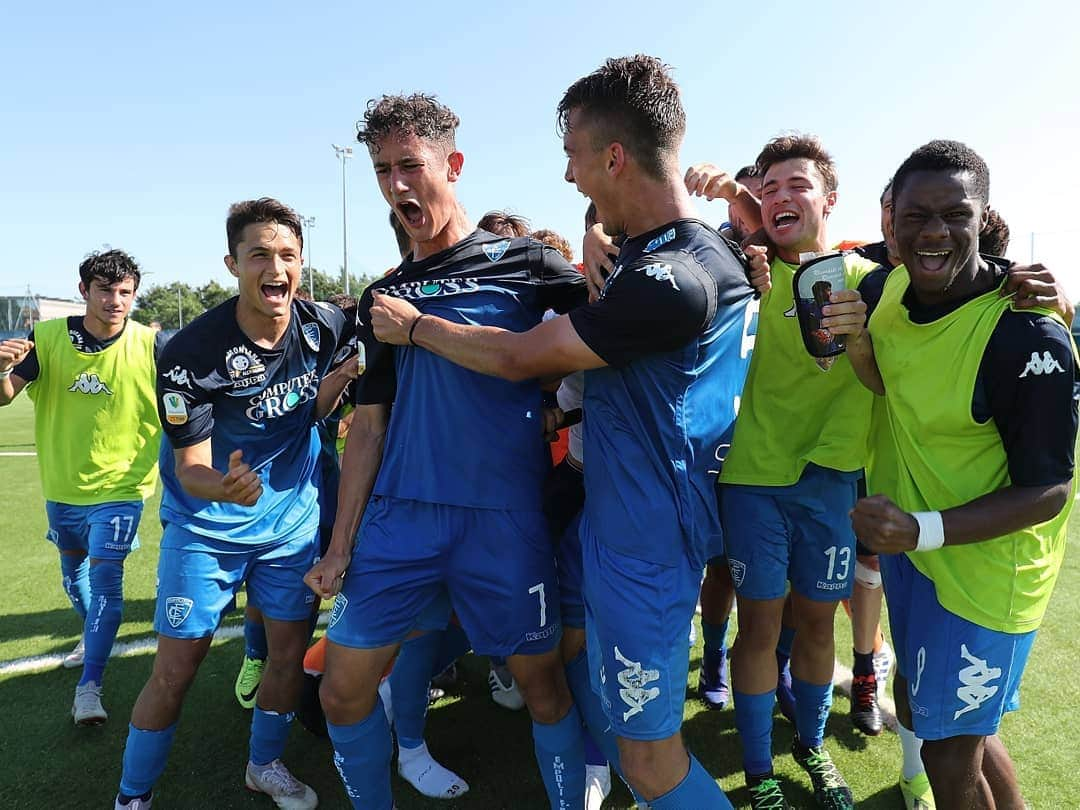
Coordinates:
931 530
5 374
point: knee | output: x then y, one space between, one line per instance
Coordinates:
343 702
173 676
544 689
106 578
953 757
652 767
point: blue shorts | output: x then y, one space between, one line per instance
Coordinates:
198 580
568 563
961 677
498 568
637 615
800 533
105 531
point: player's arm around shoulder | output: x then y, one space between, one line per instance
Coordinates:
12 352
552 348
360 465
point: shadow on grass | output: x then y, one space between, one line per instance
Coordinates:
64 623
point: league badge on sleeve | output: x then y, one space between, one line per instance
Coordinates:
175 408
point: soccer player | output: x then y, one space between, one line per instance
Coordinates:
788 484
973 480
668 328
246 382
437 519
97 435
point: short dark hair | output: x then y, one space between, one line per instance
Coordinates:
590 215
945 156
264 209
110 266
746 171
503 223
994 237
554 240
404 241
419 114
342 300
884 191
797 146
632 100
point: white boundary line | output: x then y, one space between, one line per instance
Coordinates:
15 453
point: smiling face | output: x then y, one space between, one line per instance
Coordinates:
794 207
416 177
593 171
937 217
267 269
107 303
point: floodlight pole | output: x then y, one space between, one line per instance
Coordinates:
309 223
344 153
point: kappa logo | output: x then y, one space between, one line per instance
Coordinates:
632 685
738 571
660 272
177 609
662 239
1041 365
975 679
496 250
89 384
179 376
312 335
340 603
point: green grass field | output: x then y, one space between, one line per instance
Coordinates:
47 762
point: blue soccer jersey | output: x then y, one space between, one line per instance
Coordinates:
675 325
457 437
214 383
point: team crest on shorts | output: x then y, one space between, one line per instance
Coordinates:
496 250
177 609
340 603
738 570
312 336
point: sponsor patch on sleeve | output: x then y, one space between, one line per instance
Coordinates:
175 409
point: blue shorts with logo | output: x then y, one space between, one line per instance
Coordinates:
961 677
800 533
105 531
198 579
498 567
636 618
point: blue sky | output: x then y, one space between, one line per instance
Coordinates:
138 126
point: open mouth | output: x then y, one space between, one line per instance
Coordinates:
276 293
933 261
784 221
410 213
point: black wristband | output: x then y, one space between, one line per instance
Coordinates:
413 328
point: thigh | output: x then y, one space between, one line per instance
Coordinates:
195 585
637 614
395 575
965 677
823 542
112 529
67 527
756 541
275 580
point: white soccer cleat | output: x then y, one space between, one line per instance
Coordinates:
883 664
504 690
87 709
387 700
74 659
597 785
274 779
135 804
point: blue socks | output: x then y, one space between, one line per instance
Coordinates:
362 756
812 703
714 636
76 581
697 789
269 732
409 686
590 710
753 720
255 640
560 754
103 618
145 755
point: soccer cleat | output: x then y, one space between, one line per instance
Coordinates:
597 785
247 681
766 795
865 714
504 691
87 709
446 679
916 792
135 803
830 790
784 695
713 679
274 779
74 659
883 664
